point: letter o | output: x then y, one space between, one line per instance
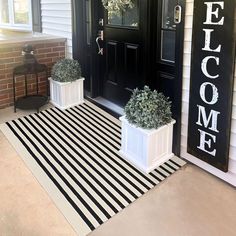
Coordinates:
215 94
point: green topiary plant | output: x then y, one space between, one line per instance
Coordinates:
66 70
148 109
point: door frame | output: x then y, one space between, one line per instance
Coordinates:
79 52
79 41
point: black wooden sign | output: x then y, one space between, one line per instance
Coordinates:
211 86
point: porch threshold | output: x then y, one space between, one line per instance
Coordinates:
107 105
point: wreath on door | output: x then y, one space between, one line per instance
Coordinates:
115 7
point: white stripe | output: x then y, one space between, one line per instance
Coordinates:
178 160
94 164
110 169
99 121
78 167
173 165
107 157
98 114
162 171
73 172
59 180
158 175
99 110
109 134
168 168
104 147
91 128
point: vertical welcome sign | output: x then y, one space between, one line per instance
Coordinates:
211 85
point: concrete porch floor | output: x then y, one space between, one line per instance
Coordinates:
190 202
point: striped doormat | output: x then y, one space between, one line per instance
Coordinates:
74 155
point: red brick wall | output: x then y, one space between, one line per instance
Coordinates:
46 52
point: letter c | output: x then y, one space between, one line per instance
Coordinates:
204 66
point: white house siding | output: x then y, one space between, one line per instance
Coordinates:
57 20
231 175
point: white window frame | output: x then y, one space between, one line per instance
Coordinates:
11 24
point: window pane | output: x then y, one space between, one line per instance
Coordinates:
4 11
129 17
114 19
168 14
21 12
168 46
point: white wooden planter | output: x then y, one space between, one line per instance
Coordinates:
66 94
146 149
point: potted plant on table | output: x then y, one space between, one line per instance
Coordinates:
147 129
66 84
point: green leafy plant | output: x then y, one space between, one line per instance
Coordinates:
66 70
148 109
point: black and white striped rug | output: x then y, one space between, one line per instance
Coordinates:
74 155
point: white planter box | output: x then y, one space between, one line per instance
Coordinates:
146 149
67 94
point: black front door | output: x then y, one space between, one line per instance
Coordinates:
122 61
143 45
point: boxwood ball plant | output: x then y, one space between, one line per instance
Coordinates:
148 109
66 70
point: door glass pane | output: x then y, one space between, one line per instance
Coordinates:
131 16
21 12
114 19
168 14
128 18
4 11
168 46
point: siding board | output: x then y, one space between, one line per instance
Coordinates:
56 20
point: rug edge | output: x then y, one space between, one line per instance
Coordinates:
39 175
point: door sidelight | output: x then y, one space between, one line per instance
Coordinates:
98 39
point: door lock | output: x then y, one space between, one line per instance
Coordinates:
177 14
100 22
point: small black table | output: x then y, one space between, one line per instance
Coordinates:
35 101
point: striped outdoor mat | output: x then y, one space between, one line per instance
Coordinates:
74 155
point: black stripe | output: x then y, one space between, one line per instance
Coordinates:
100 123
66 170
160 173
175 163
79 113
102 158
78 163
126 162
170 166
91 157
73 204
163 168
88 163
95 124
96 217
101 114
109 149
154 176
92 129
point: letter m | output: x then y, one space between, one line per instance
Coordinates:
211 120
